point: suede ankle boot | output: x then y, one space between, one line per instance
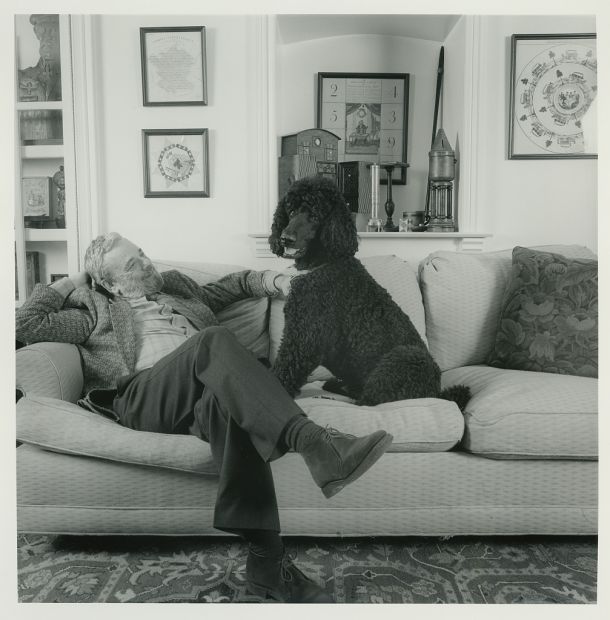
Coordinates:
278 579
336 459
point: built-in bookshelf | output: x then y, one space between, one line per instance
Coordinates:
46 226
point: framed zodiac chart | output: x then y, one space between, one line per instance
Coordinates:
368 111
553 96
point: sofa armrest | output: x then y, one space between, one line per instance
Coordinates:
50 369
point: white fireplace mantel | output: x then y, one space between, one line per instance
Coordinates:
410 246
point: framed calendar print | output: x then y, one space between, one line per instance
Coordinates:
369 112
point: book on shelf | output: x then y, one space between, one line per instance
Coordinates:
32 270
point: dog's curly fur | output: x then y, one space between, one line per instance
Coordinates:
337 315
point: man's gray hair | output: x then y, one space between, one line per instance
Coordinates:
94 256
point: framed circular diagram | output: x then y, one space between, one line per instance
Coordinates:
175 163
553 103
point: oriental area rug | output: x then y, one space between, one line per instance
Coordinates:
113 569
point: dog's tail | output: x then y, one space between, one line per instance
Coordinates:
460 394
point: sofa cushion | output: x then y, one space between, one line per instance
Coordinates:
522 414
418 425
59 426
548 320
247 319
393 273
463 294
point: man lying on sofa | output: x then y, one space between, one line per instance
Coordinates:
153 339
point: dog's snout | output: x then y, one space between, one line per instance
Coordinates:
287 238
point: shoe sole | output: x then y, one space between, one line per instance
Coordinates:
377 451
263 593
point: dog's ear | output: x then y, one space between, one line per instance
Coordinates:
280 221
337 233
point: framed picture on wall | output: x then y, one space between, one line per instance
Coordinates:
553 96
176 163
369 112
173 66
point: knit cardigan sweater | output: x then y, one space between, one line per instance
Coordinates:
103 328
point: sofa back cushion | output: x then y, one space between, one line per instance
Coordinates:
247 319
394 274
463 294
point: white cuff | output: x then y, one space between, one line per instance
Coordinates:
269 278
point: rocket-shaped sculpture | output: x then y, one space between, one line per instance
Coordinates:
441 175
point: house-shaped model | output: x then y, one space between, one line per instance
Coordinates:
307 153
320 143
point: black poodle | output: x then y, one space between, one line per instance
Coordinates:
337 315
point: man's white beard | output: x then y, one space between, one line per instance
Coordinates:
133 288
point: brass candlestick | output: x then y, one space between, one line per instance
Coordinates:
389 203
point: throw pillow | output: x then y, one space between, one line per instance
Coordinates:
548 321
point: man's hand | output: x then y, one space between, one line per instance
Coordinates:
282 283
276 282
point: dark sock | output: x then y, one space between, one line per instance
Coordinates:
265 543
300 432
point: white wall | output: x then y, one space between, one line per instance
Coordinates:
298 66
210 229
519 202
526 202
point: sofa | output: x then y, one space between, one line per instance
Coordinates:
520 460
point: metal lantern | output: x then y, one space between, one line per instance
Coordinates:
441 175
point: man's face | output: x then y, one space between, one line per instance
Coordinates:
133 274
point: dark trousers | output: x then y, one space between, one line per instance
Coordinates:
214 388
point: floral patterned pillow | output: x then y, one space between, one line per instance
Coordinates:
548 321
